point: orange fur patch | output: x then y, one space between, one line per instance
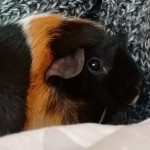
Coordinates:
41 31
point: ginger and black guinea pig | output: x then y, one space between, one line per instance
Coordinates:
57 71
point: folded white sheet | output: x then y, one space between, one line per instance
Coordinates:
81 137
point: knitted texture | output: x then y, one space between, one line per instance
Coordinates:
12 10
131 17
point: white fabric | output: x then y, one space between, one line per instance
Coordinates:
81 137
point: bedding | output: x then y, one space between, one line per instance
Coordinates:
82 137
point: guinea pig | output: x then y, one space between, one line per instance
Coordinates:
58 71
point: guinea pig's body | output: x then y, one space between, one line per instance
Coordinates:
58 71
15 62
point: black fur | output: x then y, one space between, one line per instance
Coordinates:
15 61
113 90
75 35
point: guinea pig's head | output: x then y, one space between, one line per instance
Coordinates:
93 70
77 72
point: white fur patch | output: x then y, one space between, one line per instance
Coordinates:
25 23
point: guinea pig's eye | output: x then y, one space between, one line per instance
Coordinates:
94 65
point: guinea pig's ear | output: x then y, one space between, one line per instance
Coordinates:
72 38
68 66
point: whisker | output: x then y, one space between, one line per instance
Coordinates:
103 116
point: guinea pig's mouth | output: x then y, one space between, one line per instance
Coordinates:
111 111
105 114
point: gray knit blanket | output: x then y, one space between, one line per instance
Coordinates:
131 17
